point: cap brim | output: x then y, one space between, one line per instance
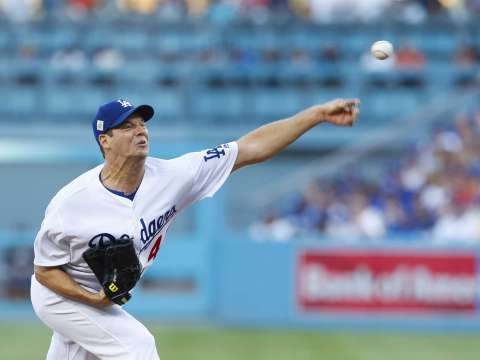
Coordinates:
146 112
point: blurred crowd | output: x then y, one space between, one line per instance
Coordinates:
431 192
270 67
259 11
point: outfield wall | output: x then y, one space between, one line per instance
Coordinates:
307 284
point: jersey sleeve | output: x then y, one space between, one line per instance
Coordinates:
211 169
51 248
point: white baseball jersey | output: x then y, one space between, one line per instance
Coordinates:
84 212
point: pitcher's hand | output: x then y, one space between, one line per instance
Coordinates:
340 112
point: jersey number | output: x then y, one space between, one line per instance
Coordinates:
155 248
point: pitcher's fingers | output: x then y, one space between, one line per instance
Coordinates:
351 104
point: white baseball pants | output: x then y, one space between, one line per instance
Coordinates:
83 332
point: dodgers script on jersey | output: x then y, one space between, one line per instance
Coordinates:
84 212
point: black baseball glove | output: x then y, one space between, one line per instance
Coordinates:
116 267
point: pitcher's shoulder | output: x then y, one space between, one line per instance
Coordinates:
76 186
178 162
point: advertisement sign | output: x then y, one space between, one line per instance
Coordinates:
387 281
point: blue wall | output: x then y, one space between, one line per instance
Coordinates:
256 286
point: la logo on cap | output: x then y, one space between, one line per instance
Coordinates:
124 103
100 125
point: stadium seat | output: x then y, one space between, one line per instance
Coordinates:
272 103
311 40
171 41
439 73
263 73
94 40
355 43
167 102
37 38
434 43
7 40
226 104
394 104
25 71
64 37
75 103
138 72
318 96
205 39
60 103
130 40
5 65
243 38
19 101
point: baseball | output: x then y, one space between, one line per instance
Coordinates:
382 49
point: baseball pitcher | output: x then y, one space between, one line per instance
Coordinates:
104 229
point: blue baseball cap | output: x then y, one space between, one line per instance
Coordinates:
115 113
